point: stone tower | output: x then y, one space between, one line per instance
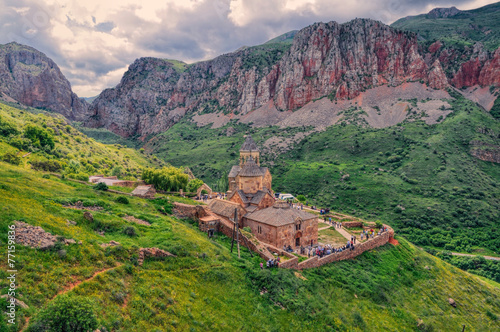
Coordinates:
249 149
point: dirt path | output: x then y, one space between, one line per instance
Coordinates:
73 285
469 255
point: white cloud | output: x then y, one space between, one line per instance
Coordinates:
94 41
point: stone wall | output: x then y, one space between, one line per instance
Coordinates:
352 224
189 211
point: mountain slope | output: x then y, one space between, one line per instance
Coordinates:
207 287
266 83
456 27
31 78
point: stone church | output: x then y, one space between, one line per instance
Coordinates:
273 222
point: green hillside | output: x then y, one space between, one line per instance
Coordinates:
419 178
48 142
463 29
207 287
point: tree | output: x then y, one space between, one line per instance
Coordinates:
116 171
101 186
66 314
194 184
39 137
166 179
7 128
301 198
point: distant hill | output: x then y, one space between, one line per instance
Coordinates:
284 38
456 27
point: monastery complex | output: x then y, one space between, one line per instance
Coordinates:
250 193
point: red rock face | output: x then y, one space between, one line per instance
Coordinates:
325 59
31 78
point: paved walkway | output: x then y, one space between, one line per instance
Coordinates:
344 233
469 255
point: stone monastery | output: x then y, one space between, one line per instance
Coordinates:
273 222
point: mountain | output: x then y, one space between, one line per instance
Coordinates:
457 28
31 78
278 83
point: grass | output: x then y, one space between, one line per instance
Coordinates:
331 236
478 25
207 287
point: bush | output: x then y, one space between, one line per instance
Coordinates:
101 186
122 200
194 184
130 231
46 165
7 128
301 198
46 176
66 314
11 158
20 143
39 137
79 176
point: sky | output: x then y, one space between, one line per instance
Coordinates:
94 41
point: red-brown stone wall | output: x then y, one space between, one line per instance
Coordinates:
267 181
268 234
267 201
250 184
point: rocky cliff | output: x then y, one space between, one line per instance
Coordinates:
325 59
31 78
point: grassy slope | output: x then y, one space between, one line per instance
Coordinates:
207 287
457 30
72 144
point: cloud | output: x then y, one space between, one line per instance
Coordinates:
93 42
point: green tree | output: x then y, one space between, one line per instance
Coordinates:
194 184
66 314
39 136
301 198
7 128
166 179
116 171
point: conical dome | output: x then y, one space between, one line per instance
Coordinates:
249 144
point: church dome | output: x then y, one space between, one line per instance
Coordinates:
249 145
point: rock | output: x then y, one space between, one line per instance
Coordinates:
88 216
452 302
152 252
33 79
36 237
110 243
69 241
18 302
70 222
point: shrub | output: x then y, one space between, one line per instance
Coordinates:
39 137
166 179
46 165
66 313
378 224
78 176
101 186
11 158
7 128
130 231
122 200
20 143
301 198
46 176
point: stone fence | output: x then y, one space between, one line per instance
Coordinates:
265 251
352 224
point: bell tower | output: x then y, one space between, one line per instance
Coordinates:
249 149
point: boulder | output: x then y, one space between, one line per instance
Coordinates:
88 216
452 302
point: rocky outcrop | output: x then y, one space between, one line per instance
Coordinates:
485 151
31 78
152 252
36 237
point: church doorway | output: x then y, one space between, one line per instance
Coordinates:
297 242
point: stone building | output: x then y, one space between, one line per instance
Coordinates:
273 222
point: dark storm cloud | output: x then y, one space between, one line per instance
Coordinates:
95 41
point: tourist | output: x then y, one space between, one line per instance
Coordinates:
261 266
354 238
267 263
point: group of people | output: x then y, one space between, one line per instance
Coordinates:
271 263
328 249
288 249
324 211
336 224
